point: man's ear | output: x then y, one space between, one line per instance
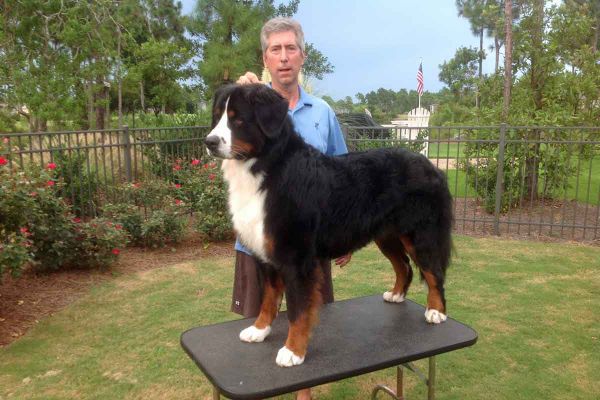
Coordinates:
270 110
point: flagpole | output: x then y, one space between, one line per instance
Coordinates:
421 64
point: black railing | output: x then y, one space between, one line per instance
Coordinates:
548 182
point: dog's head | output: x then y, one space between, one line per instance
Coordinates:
244 119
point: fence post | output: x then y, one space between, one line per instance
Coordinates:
127 152
499 179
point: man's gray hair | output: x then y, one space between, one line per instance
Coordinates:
281 24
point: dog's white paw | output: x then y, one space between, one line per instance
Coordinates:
252 334
393 298
434 316
286 358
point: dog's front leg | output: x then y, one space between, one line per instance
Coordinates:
303 302
271 300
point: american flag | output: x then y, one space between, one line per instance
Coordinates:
420 79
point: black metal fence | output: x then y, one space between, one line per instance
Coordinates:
506 180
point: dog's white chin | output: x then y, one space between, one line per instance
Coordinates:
219 154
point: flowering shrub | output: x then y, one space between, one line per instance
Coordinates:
80 186
201 185
37 226
15 251
150 228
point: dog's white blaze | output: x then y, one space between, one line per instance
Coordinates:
222 131
246 204
287 358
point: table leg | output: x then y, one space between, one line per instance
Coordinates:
431 379
216 393
399 394
399 383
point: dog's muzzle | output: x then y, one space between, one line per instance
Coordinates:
212 144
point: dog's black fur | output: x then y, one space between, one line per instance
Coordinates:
322 207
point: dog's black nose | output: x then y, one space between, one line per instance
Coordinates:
212 142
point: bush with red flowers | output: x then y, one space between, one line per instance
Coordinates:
150 227
204 190
38 228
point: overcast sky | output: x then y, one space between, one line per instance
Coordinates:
379 43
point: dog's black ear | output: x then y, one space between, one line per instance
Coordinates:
221 94
270 110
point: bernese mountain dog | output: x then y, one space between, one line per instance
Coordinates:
291 205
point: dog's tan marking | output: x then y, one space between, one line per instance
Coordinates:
272 294
241 147
392 248
434 297
269 246
300 330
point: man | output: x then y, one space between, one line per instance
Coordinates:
282 42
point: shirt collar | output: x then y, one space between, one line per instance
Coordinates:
304 100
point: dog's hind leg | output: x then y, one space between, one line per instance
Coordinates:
391 247
434 277
271 300
304 299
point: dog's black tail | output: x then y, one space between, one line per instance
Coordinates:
433 240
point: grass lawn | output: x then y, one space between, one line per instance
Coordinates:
534 305
446 150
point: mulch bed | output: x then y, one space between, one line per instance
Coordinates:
26 300
34 295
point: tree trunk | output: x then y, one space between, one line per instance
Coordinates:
497 46
89 89
596 35
119 80
507 59
142 98
537 87
477 94
99 103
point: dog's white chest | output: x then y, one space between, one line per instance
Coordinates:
246 204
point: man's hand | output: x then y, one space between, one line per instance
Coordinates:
248 78
343 260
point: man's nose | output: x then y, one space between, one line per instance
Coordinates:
283 56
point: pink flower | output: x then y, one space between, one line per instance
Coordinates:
213 165
25 231
51 165
178 202
50 183
176 167
6 140
76 220
195 161
3 161
33 194
212 177
116 252
118 227
137 185
178 186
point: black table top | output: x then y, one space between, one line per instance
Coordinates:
353 337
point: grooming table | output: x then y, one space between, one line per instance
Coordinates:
353 337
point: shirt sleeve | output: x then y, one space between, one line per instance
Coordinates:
336 144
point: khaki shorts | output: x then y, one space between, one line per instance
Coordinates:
248 285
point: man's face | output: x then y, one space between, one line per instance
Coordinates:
283 58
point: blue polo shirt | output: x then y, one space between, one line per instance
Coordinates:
315 121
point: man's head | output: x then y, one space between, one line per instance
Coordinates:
282 42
